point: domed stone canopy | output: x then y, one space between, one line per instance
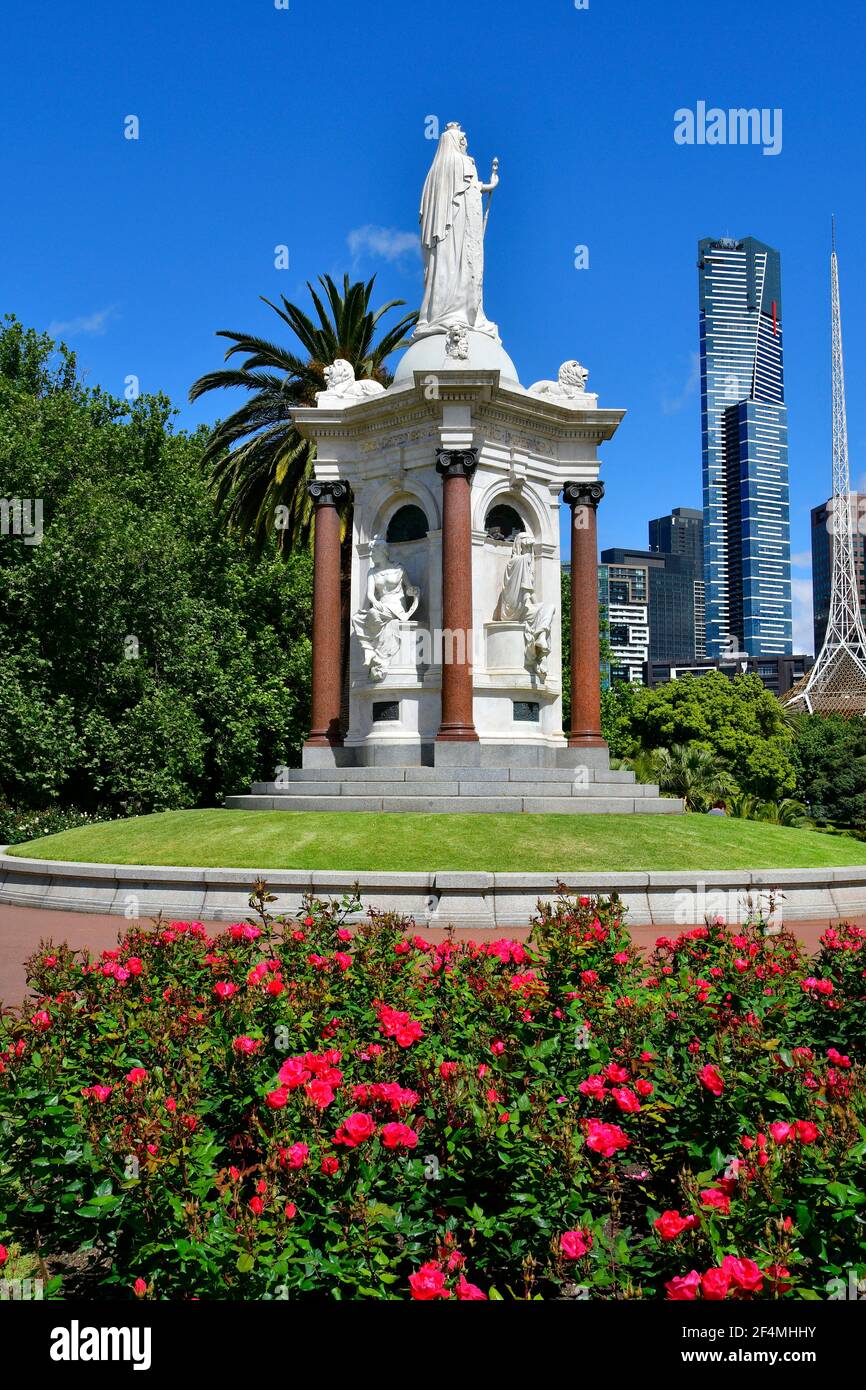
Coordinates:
440 352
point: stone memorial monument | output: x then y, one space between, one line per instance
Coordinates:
455 474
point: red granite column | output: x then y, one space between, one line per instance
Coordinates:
585 732
457 722
326 497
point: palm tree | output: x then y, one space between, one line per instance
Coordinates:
788 811
257 459
691 772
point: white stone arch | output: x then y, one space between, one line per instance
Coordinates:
535 511
385 499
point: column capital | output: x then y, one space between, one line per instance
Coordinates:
328 492
456 463
583 494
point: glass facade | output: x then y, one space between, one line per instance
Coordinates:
747 552
822 560
652 606
682 534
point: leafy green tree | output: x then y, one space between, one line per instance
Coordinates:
144 662
603 645
258 459
737 721
829 756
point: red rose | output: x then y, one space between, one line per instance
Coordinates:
644 1088
224 989
428 1283
257 1206
807 1132
625 1099
447 1069
743 1274
290 1210
398 1136
329 1165
714 1197
4 1254
355 1130
293 1073
277 1099
140 1288
715 1284
670 1224
712 1080
320 1093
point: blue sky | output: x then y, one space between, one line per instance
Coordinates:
305 126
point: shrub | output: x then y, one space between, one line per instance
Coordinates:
18 824
295 1108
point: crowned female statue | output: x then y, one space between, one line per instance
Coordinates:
517 603
377 624
452 240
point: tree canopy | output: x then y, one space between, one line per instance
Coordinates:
145 661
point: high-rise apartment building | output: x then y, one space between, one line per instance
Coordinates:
681 533
747 552
651 601
822 560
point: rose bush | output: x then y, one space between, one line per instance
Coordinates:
299 1108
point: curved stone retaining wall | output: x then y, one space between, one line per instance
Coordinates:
496 901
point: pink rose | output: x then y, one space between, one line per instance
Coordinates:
575 1244
467 1292
605 1139
683 1288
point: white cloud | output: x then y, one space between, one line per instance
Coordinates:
802 560
94 323
801 608
671 405
385 243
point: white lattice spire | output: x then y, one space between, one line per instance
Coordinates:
837 681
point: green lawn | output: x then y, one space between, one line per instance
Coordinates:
506 843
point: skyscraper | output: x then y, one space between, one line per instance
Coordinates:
682 533
650 598
747 551
822 560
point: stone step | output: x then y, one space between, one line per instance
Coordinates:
573 805
467 787
314 775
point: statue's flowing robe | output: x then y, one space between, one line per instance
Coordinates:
452 244
518 603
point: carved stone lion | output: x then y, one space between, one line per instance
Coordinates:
341 387
569 387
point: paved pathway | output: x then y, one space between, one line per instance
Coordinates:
22 928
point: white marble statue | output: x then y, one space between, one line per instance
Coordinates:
569 389
517 603
342 388
452 241
390 601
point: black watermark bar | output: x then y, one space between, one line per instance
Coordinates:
151 1339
